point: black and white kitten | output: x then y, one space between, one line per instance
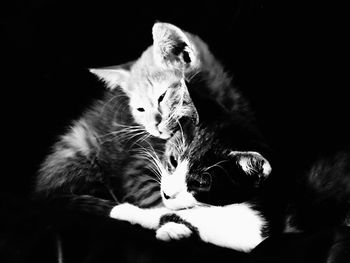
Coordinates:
210 184
211 177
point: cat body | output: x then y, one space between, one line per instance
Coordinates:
211 188
108 154
210 172
211 175
95 156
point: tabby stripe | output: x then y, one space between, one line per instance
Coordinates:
151 201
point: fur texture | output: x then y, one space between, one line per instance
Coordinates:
207 184
111 151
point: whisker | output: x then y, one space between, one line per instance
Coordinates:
125 130
216 165
141 139
182 132
150 155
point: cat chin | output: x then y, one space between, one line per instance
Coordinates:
165 135
159 134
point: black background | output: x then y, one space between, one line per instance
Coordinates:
287 58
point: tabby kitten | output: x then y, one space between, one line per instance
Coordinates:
104 157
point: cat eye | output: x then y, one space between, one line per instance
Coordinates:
160 99
173 161
200 183
141 109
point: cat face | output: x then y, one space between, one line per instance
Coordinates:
207 171
160 102
155 83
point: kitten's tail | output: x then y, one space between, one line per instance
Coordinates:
323 195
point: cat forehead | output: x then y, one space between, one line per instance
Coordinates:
165 76
155 84
153 73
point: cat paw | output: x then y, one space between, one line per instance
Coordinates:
125 212
173 231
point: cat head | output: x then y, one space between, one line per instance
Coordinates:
155 83
209 169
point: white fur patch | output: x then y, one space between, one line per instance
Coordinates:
148 218
176 182
174 186
246 161
235 226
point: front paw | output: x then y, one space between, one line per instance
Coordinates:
125 212
173 231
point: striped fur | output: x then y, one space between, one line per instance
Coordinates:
112 151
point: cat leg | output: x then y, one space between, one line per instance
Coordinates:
173 227
146 217
173 231
236 226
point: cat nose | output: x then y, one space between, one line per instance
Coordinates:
168 196
158 118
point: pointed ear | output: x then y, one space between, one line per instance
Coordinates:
172 46
252 163
115 75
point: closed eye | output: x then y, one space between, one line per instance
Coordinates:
200 183
173 161
161 97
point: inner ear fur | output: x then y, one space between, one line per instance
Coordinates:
114 76
172 46
252 163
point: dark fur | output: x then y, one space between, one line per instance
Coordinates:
322 196
98 180
219 133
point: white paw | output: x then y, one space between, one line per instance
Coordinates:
125 212
173 231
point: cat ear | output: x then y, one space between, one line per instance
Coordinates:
252 163
115 75
172 46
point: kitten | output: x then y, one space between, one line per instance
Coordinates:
155 83
211 187
210 183
212 176
105 156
